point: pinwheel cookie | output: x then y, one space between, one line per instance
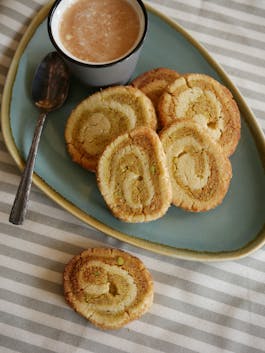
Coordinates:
108 286
199 171
133 177
154 82
100 118
202 99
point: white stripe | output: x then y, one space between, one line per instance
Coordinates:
237 268
137 326
206 326
34 293
41 2
256 104
226 44
228 11
59 213
142 328
259 255
33 270
245 83
8 42
178 339
18 7
12 23
208 22
54 211
200 278
261 123
7 350
92 334
11 179
38 340
56 233
259 4
208 304
235 63
35 249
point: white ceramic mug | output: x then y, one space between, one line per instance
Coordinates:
118 71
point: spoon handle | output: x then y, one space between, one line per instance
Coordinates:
19 208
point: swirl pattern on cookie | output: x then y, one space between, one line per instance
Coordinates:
108 286
154 82
199 171
133 177
103 116
202 99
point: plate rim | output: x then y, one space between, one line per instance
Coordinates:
188 254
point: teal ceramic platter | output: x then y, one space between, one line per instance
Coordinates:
232 230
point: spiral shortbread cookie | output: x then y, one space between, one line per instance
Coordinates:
133 177
154 82
204 100
108 286
103 116
199 171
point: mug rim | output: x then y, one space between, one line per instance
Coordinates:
84 64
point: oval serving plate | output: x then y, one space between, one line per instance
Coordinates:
232 230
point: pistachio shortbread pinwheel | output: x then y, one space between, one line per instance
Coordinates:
200 173
101 117
109 287
133 177
204 100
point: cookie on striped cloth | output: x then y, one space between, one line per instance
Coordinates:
200 173
204 100
133 178
109 287
101 117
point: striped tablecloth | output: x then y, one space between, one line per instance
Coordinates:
198 307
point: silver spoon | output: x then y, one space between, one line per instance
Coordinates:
49 90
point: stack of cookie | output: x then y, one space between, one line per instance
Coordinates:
164 139
200 124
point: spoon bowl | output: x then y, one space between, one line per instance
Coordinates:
50 88
50 83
